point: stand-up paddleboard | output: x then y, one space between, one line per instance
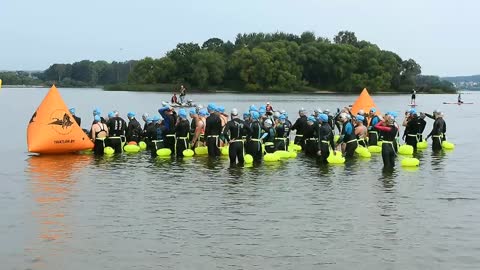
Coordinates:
458 103
53 130
412 105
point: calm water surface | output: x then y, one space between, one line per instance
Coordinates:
135 212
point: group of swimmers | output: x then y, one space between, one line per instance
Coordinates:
213 127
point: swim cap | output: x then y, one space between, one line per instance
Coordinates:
246 114
182 113
203 112
116 113
373 110
253 108
234 112
317 110
360 118
221 109
361 112
97 111
323 117
283 112
302 110
192 111
263 107
343 116
276 114
255 115
149 120
111 114
311 119
156 118
262 111
144 116
268 123
282 117
72 111
130 114
326 111
97 118
211 107
412 111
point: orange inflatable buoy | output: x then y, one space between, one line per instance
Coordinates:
364 102
53 130
132 143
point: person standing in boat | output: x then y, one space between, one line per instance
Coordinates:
183 93
414 93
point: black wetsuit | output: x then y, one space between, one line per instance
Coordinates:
438 133
193 127
310 136
325 141
281 136
300 126
373 134
181 132
270 140
78 120
213 129
254 144
134 131
331 123
235 130
411 132
348 137
421 127
117 128
156 134
388 146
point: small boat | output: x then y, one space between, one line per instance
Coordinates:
188 104
458 103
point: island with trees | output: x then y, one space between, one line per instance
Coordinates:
254 63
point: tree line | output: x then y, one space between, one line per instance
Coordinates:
277 62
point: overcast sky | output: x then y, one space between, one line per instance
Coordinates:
441 35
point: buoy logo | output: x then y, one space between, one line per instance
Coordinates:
61 122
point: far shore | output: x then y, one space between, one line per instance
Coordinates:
153 89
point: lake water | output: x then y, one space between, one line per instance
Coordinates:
135 212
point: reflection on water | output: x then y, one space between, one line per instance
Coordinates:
52 180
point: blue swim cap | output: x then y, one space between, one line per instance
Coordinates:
253 108
220 109
182 113
97 111
246 114
323 117
193 111
393 114
130 114
373 110
111 114
211 107
412 111
282 117
156 118
360 118
311 118
263 107
72 111
262 111
149 120
97 118
255 115
203 112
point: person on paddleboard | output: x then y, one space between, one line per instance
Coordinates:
459 98
414 93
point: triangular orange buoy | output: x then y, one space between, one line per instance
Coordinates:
364 102
53 130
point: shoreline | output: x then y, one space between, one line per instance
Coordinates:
164 89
